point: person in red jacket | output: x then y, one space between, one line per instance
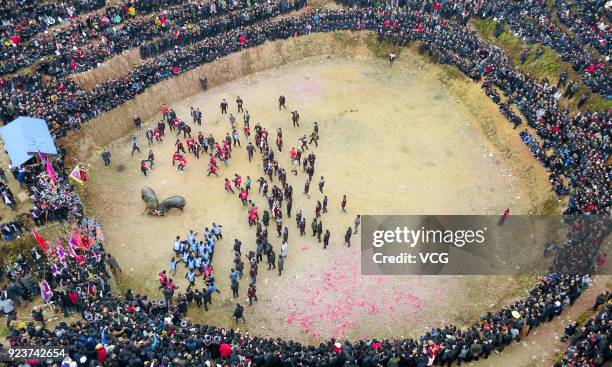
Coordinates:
163 279
228 186
143 167
176 157
164 111
74 298
225 350
244 196
237 181
212 169
252 291
182 164
100 353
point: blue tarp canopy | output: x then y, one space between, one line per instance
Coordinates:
24 137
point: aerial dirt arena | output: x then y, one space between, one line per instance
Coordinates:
393 139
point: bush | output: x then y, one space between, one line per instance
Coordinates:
11 249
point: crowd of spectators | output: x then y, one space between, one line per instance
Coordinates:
573 148
21 278
24 18
533 23
85 43
589 21
51 200
54 201
11 230
589 343
208 25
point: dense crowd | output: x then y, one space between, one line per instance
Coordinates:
532 22
589 21
52 199
208 26
589 343
135 330
24 18
83 43
90 41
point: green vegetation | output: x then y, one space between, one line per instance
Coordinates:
597 103
381 49
548 65
484 27
583 318
322 4
550 206
346 38
450 73
527 281
524 284
10 250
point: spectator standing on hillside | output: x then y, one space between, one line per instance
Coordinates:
106 157
137 123
135 145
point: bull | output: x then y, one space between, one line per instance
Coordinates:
154 207
175 201
148 196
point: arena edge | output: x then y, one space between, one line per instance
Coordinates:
117 123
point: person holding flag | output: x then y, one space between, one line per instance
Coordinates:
42 243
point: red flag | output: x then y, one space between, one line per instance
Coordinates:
41 241
76 239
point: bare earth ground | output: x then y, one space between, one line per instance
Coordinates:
394 140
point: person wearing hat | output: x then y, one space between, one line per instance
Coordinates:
100 353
